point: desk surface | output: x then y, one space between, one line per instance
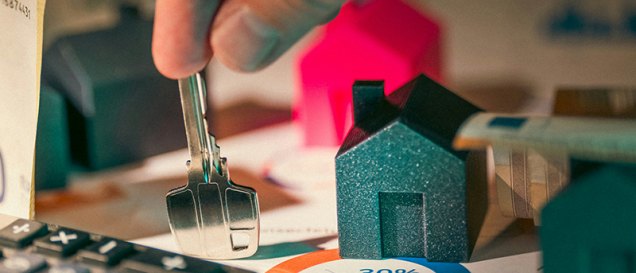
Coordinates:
306 221
297 192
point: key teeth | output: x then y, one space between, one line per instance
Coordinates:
216 154
224 170
215 148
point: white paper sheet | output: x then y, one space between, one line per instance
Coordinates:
20 47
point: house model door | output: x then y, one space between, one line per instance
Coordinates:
402 224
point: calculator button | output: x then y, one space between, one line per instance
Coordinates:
68 268
107 251
21 233
62 242
22 263
154 261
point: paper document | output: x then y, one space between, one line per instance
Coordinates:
532 154
20 57
600 139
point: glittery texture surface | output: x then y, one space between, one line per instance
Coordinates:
401 189
399 160
591 225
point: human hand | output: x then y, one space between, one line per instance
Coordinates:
245 35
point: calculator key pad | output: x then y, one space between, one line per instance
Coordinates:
30 246
62 242
21 233
107 251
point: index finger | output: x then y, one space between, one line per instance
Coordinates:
181 33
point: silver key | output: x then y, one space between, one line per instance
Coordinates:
211 216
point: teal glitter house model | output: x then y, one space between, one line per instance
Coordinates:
591 225
402 191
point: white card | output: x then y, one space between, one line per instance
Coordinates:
20 56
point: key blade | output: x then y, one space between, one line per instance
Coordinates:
193 101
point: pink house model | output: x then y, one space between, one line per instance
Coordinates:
369 40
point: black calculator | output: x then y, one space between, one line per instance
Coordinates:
34 247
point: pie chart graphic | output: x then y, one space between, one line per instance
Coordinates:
329 261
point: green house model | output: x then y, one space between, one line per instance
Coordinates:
591 225
119 108
402 191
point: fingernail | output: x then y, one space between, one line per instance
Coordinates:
244 41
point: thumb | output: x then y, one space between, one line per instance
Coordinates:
247 35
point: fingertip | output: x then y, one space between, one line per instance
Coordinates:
175 66
180 35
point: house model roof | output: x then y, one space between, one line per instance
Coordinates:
422 104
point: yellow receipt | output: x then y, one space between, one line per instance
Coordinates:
20 57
